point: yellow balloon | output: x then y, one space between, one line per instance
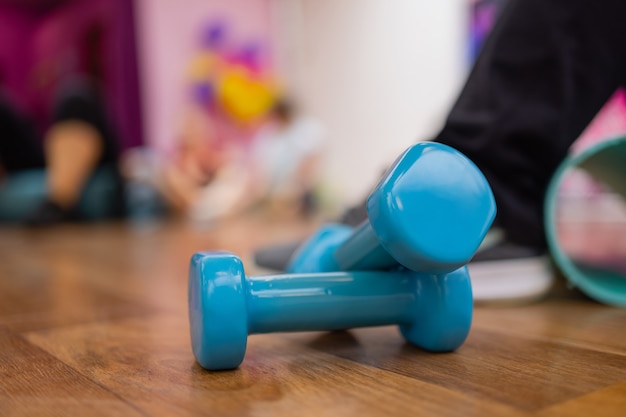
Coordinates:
245 97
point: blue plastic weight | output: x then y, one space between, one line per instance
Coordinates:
317 253
430 213
434 312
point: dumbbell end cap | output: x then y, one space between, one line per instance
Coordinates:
217 310
432 209
442 313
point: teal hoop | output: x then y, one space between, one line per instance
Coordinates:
605 161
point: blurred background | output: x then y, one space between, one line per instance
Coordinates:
205 109
191 90
377 75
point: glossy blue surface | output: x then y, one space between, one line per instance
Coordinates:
430 213
317 253
217 310
225 306
443 317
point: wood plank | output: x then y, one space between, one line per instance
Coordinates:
76 274
104 307
32 382
607 402
149 363
581 323
520 372
56 289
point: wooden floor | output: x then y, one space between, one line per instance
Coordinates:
93 322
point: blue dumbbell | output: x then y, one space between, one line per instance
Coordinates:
430 213
434 312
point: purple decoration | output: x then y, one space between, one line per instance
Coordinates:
203 94
214 35
251 56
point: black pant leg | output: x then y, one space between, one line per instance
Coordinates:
546 69
19 147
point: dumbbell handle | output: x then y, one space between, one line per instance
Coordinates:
362 251
330 301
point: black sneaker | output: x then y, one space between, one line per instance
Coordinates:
276 257
503 272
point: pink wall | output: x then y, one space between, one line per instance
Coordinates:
167 36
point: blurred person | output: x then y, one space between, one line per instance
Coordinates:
53 112
194 163
279 171
545 70
286 157
202 178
